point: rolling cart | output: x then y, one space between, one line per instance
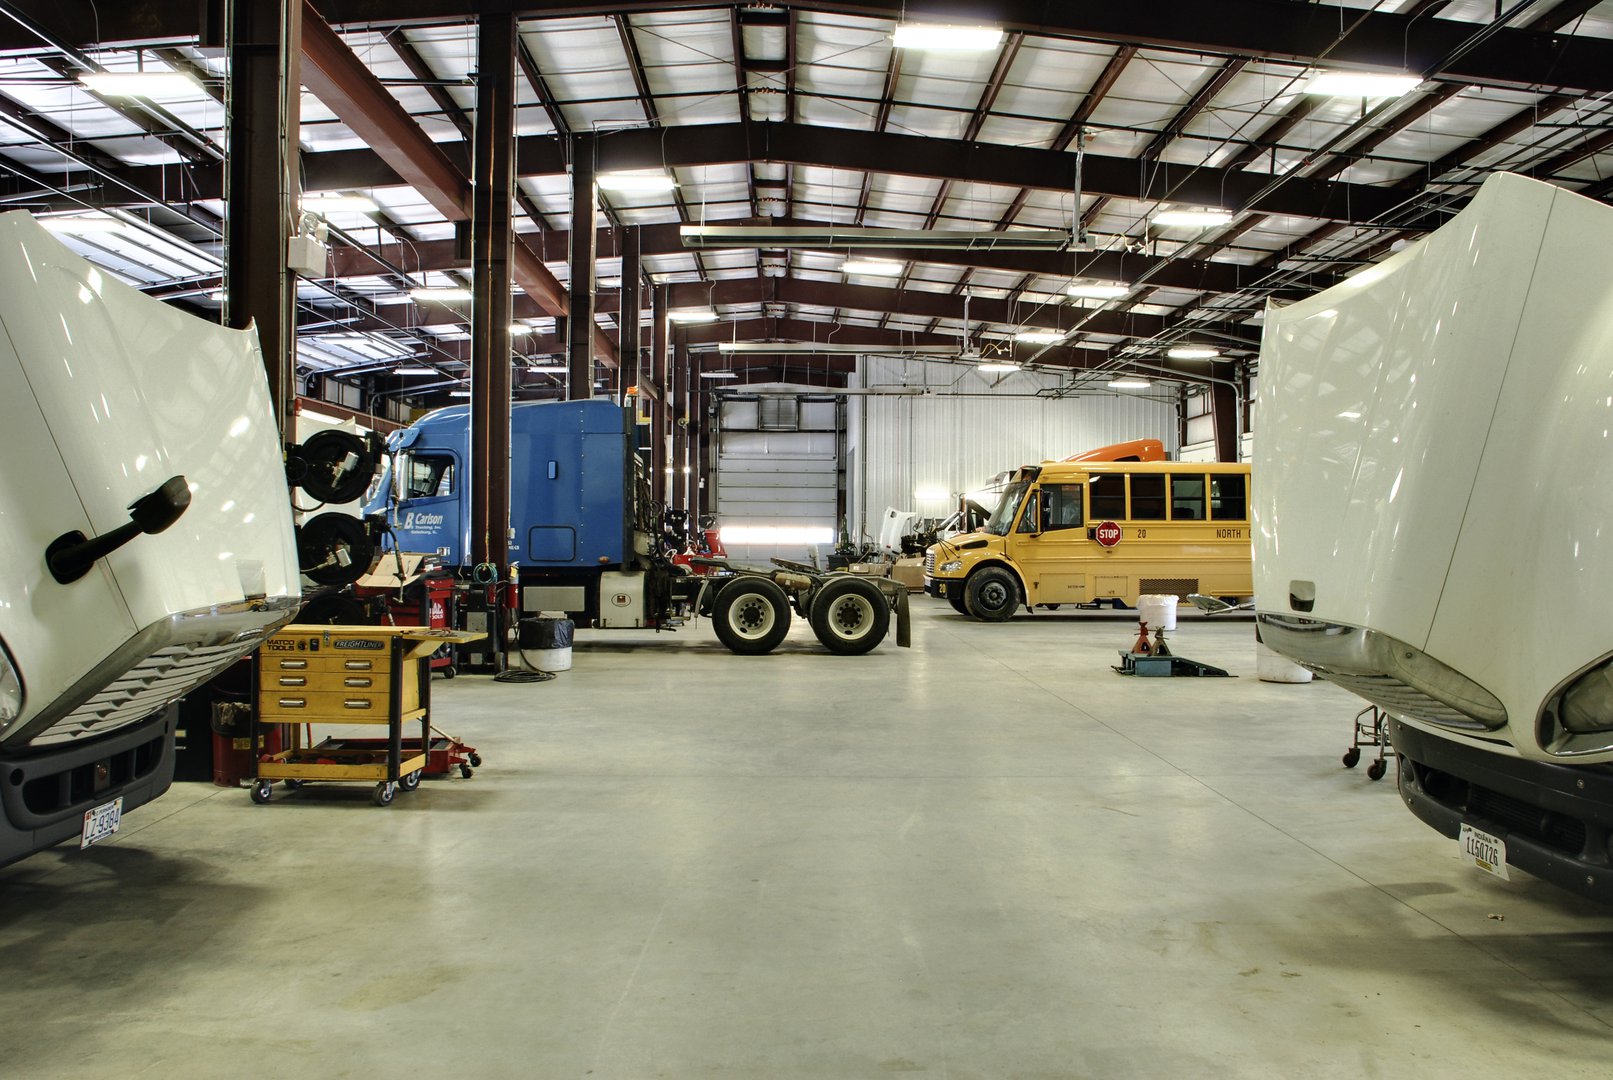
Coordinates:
1371 729
373 675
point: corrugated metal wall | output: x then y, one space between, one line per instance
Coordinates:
964 431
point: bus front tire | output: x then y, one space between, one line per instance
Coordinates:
955 598
992 595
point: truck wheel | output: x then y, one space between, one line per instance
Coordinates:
992 595
955 598
751 616
850 616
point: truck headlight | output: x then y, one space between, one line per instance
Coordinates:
950 567
1586 707
11 694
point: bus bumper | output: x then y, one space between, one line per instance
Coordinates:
943 590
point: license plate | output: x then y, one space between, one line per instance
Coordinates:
101 823
1488 853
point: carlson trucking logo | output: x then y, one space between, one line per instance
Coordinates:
412 520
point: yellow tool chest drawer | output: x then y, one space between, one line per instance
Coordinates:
325 706
303 662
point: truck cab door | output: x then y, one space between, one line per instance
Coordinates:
430 515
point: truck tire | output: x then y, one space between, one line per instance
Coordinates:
751 616
850 616
955 598
992 595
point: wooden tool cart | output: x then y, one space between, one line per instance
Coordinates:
378 675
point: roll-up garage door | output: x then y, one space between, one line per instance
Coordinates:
778 480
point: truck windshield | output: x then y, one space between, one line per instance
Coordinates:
1003 518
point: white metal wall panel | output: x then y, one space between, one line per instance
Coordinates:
964 430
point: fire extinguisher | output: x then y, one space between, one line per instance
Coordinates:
512 596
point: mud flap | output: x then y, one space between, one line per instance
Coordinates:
904 624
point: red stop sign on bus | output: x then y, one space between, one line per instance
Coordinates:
1107 533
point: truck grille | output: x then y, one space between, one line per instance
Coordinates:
1390 693
152 669
929 563
150 686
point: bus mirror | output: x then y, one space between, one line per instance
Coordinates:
400 469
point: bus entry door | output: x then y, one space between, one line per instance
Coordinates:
1060 557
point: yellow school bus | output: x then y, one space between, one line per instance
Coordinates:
1089 532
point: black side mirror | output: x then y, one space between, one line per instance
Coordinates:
70 556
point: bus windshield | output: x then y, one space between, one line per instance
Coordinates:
1003 517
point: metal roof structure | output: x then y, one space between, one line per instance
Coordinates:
1086 119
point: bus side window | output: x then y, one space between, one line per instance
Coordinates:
1148 497
1061 507
1229 498
1108 495
1187 497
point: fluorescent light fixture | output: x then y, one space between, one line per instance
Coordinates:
519 329
218 296
1361 84
947 38
718 375
146 84
550 369
931 494
826 347
636 181
997 367
1201 219
691 315
1098 290
1039 337
872 267
449 295
1129 382
459 393
321 202
415 369
83 224
830 237
775 534
1192 352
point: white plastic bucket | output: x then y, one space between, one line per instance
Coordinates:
1274 667
545 643
1157 611
545 659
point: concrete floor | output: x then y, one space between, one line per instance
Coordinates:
988 856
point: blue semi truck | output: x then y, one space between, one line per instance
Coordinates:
585 537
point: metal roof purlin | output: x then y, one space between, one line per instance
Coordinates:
340 80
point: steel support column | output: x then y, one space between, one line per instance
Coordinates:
660 343
493 190
1225 411
265 47
627 347
580 326
678 373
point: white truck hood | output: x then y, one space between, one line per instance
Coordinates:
104 394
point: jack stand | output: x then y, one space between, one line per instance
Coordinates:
1142 647
1160 648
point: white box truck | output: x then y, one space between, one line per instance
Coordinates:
146 528
1434 518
